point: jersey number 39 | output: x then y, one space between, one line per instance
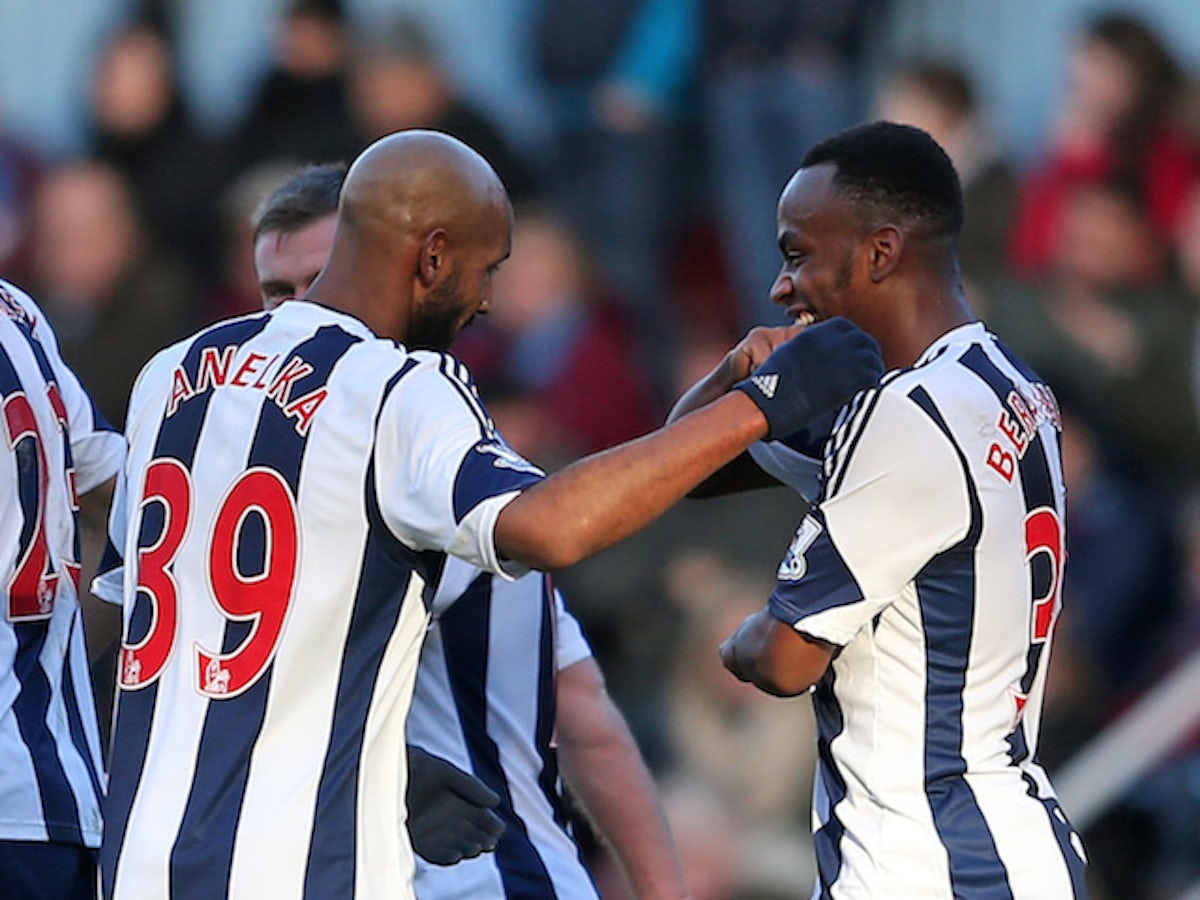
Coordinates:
261 599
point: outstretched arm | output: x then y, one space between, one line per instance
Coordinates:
602 499
604 770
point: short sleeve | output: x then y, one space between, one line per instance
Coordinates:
895 496
443 473
570 646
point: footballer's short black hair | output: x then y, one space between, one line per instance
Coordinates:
310 194
894 172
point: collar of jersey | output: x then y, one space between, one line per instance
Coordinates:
963 334
305 308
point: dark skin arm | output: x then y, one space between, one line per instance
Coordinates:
774 657
601 499
742 473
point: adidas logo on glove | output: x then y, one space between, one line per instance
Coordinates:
768 384
823 366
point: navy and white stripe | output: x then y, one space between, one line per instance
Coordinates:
276 775
52 778
931 561
485 700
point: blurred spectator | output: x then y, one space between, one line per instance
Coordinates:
139 126
940 98
1171 793
1123 618
112 296
559 349
615 76
20 169
1106 327
778 76
1188 266
724 734
706 839
398 82
1117 607
301 110
236 291
1117 122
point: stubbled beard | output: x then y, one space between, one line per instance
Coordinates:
436 324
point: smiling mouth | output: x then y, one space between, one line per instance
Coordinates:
804 316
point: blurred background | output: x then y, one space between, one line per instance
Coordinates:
644 143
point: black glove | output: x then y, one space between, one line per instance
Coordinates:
450 814
813 373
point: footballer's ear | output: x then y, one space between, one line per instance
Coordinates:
431 261
884 248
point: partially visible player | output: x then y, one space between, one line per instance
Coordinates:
55 447
294 483
293 232
919 595
507 686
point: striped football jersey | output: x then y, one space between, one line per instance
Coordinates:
55 446
485 700
933 560
292 487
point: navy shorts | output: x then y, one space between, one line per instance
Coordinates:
31 870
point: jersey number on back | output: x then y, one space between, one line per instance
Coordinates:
261 599
32 588
1045 552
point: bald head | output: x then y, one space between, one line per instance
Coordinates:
415 181
422 219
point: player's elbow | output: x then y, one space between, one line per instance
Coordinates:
546 540
773 657
549 558
546 551
781 684
773 678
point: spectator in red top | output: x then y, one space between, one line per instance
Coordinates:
1116 122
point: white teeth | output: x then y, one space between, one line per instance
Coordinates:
805 318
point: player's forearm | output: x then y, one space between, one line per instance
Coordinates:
741 473
750 352
602 499
773 657
708 388
604 770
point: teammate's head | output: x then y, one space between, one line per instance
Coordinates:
293 232
423 224
868 227
894 173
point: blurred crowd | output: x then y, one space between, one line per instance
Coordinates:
644 248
